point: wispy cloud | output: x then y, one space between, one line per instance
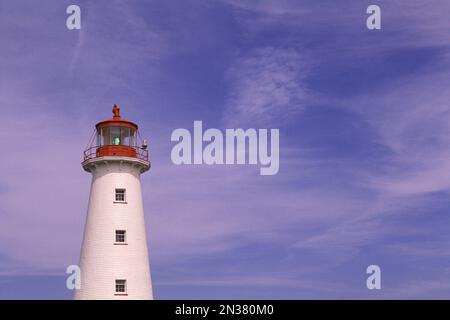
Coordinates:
266 86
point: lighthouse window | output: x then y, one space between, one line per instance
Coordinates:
115 135
121 286
127 137
103 136
120 195
120 236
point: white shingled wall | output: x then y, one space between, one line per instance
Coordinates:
102 262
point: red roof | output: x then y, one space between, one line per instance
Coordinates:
116 121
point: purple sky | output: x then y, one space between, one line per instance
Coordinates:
364 119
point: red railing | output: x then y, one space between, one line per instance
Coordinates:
133 152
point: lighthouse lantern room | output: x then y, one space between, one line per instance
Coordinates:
116 137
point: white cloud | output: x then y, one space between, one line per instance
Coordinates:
266 86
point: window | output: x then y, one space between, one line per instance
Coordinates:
120 195
128 137
103 136
115 136
120 236
121 286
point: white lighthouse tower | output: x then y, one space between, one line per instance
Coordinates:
114 260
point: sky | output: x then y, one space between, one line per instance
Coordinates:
364 120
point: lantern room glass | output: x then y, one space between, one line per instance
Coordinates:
122 136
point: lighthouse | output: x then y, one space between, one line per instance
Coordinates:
114 261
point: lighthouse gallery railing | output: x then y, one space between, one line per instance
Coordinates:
92 153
